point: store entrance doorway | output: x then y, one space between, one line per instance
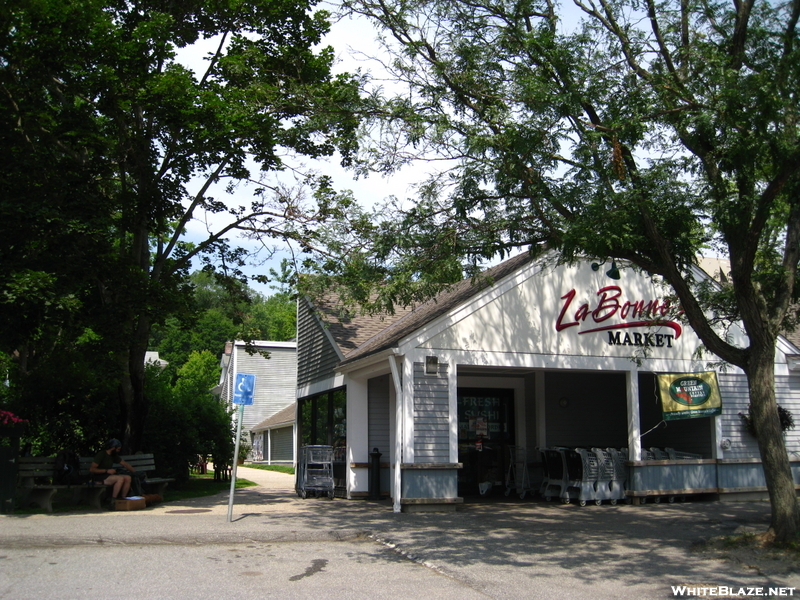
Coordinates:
485 432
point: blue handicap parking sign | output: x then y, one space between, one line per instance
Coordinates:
244 388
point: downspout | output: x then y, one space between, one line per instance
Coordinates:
398 434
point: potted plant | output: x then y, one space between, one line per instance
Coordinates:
244 451
787 421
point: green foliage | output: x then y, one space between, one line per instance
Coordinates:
186 420
786 418
224 312
244 447
176 340
276 468
111 148
274 318
647 132
68 405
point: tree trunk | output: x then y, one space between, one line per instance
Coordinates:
135 401
785 524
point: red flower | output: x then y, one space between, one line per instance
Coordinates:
8 418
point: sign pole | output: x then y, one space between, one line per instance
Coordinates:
244 389
235 460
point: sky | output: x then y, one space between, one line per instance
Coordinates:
353 40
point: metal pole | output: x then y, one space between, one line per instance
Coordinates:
235 460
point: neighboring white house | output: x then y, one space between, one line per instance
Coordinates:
275 384
274 439
151 357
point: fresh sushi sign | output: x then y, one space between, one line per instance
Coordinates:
689 395
626 321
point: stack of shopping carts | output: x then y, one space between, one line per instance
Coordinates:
583 475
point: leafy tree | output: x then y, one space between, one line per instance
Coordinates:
274 318
186 419
223 313
176 340
111 149
648 132
67 404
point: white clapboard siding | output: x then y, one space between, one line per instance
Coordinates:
276 381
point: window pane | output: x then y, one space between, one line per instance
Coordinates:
339 422
321 419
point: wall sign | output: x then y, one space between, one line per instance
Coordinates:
614 315
689 395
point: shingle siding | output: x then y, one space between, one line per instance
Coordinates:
317 358
275 382
736 399
431 415
378 415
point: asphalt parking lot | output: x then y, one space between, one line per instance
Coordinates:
277 545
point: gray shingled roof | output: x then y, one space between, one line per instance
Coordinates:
352 330
284 416
363 335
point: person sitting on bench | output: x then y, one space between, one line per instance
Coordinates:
103 471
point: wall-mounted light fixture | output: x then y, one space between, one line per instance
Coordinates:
431 365
612 273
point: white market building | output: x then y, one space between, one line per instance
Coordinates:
532 357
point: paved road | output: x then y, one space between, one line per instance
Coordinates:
280 546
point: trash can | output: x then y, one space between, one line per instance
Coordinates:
375 474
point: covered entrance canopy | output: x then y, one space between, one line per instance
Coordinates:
569 354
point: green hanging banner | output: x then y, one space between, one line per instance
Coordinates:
689 395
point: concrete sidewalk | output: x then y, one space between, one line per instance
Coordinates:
272 501
496 543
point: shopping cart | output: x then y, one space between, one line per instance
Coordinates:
620 471
517 477
678 455
581 476
609 487
659 454
555 473
315 471
648 454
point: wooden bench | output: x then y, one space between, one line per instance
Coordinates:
35 480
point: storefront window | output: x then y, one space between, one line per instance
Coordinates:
486 414
323 422
323 419
339 412
485 431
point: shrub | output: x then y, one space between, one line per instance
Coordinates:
787 421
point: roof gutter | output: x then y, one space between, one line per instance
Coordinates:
367 361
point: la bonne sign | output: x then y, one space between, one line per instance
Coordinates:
611 313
